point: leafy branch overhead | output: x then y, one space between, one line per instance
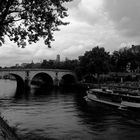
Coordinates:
31 20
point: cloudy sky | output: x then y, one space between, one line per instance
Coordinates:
111 24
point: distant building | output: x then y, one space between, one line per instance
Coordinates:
32 62
58 58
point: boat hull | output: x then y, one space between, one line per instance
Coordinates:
131 105
90 98
124 102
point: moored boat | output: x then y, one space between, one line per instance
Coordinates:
111 97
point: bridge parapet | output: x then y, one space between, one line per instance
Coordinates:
37 69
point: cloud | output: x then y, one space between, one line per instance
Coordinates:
125 15
88 11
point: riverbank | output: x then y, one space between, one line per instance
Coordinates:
6 132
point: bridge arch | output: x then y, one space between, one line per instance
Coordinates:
20 84
68 79
42 79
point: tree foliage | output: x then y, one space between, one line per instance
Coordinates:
95 61
124 58
31 20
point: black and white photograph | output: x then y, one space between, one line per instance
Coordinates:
69 69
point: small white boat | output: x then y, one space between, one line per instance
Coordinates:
119 100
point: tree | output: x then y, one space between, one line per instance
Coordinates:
31 20
123 58
95 61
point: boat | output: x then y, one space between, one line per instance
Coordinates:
117 99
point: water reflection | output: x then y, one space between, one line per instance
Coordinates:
62 114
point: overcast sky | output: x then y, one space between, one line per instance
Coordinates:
111 24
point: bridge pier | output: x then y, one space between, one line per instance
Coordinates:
23 88
27 81
27 84
56 82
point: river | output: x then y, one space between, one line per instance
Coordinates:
64 115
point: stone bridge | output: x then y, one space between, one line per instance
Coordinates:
52 77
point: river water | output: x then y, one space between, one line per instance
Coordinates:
64 115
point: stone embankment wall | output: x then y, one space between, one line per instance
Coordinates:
6 133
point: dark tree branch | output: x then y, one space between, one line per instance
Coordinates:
5 13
